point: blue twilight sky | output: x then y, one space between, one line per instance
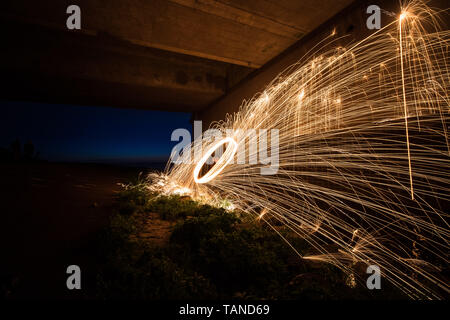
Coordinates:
85 134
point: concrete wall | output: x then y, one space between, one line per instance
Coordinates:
351 21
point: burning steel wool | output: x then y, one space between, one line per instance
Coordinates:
363 155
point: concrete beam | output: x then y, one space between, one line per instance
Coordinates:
52 65
351 21
159 24
247 33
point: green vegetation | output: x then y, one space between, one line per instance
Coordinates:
176 207
209 253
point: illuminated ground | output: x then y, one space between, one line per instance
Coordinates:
175 248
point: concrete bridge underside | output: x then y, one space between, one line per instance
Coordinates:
198 56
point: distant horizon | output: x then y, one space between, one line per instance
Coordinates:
87 134
151 162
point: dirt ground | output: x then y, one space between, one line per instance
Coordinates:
155 230
50 213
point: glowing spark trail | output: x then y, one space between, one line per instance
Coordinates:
344 183
213 172
402 17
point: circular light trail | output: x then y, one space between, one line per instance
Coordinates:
220 164
345 117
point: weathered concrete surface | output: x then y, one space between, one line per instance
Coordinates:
177 55
52 65
240 32
350 22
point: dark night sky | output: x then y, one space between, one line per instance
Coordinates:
91 134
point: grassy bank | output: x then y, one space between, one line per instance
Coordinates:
160 247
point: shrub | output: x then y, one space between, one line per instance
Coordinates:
134 197
173 207
212 253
